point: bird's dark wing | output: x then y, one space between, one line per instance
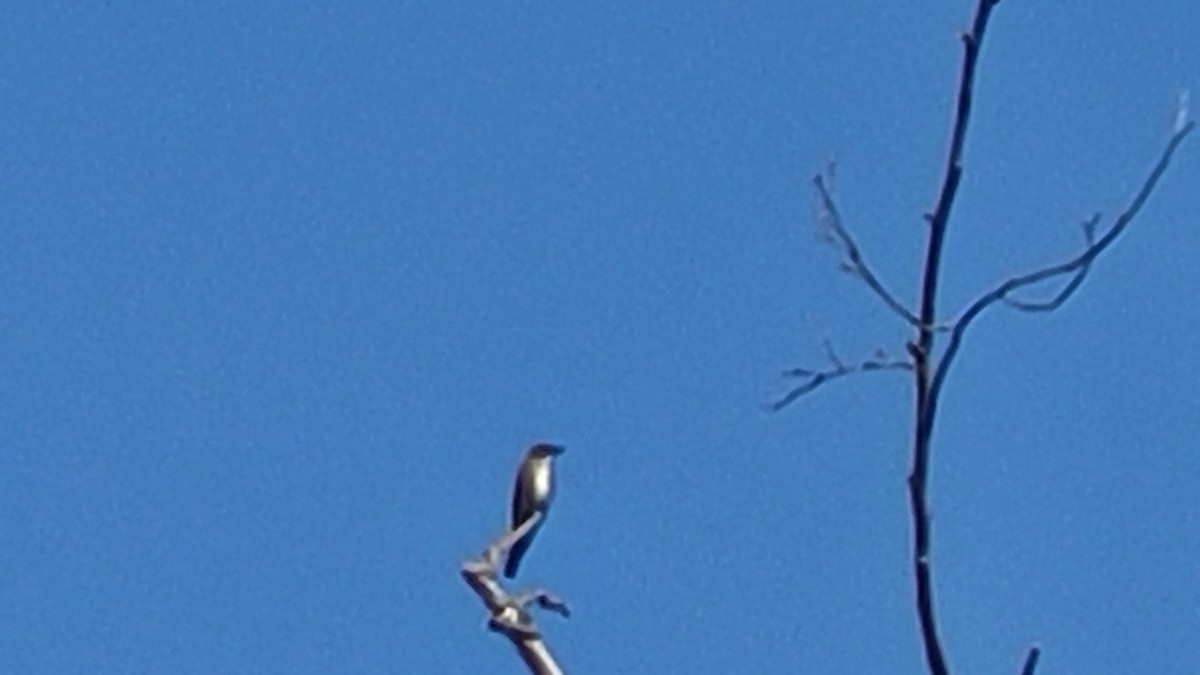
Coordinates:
520 503
521 509
517 552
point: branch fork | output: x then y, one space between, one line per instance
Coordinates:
509 613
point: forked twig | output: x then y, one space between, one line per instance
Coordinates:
509 614
921 348
1089 233
1079 265
855 263
930 369
815 378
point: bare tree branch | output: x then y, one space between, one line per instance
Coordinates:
856 264
922 347
1077 265
508 613
930 370
1031 660
815 378
1089 233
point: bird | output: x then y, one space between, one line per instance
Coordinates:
533 490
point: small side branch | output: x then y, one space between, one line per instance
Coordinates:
929 363
1078 266
1089 233
855 263
815 378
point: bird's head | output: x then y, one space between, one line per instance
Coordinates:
546 450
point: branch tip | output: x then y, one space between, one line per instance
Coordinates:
1031 660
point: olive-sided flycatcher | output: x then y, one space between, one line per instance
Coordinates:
532 492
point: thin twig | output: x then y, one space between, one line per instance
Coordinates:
1031 661
815 378
930 371
1083 261
857 265
1089 233
832 355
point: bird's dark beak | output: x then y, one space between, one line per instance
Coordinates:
556 450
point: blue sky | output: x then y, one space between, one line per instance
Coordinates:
288 287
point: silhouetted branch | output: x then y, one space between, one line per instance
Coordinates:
551 603
815 378
1031 660
1089 233
509 614
1079 264
922 347
855 263
928 368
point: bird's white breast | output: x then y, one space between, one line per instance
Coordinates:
541 480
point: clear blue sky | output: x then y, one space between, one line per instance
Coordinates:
285 288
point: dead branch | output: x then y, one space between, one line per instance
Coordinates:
509 613
930 370
1089 237
1079 265
922 347
815 378
855 263
1031 660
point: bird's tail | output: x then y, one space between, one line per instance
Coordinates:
516 553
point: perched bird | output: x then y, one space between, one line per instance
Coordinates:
532 491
